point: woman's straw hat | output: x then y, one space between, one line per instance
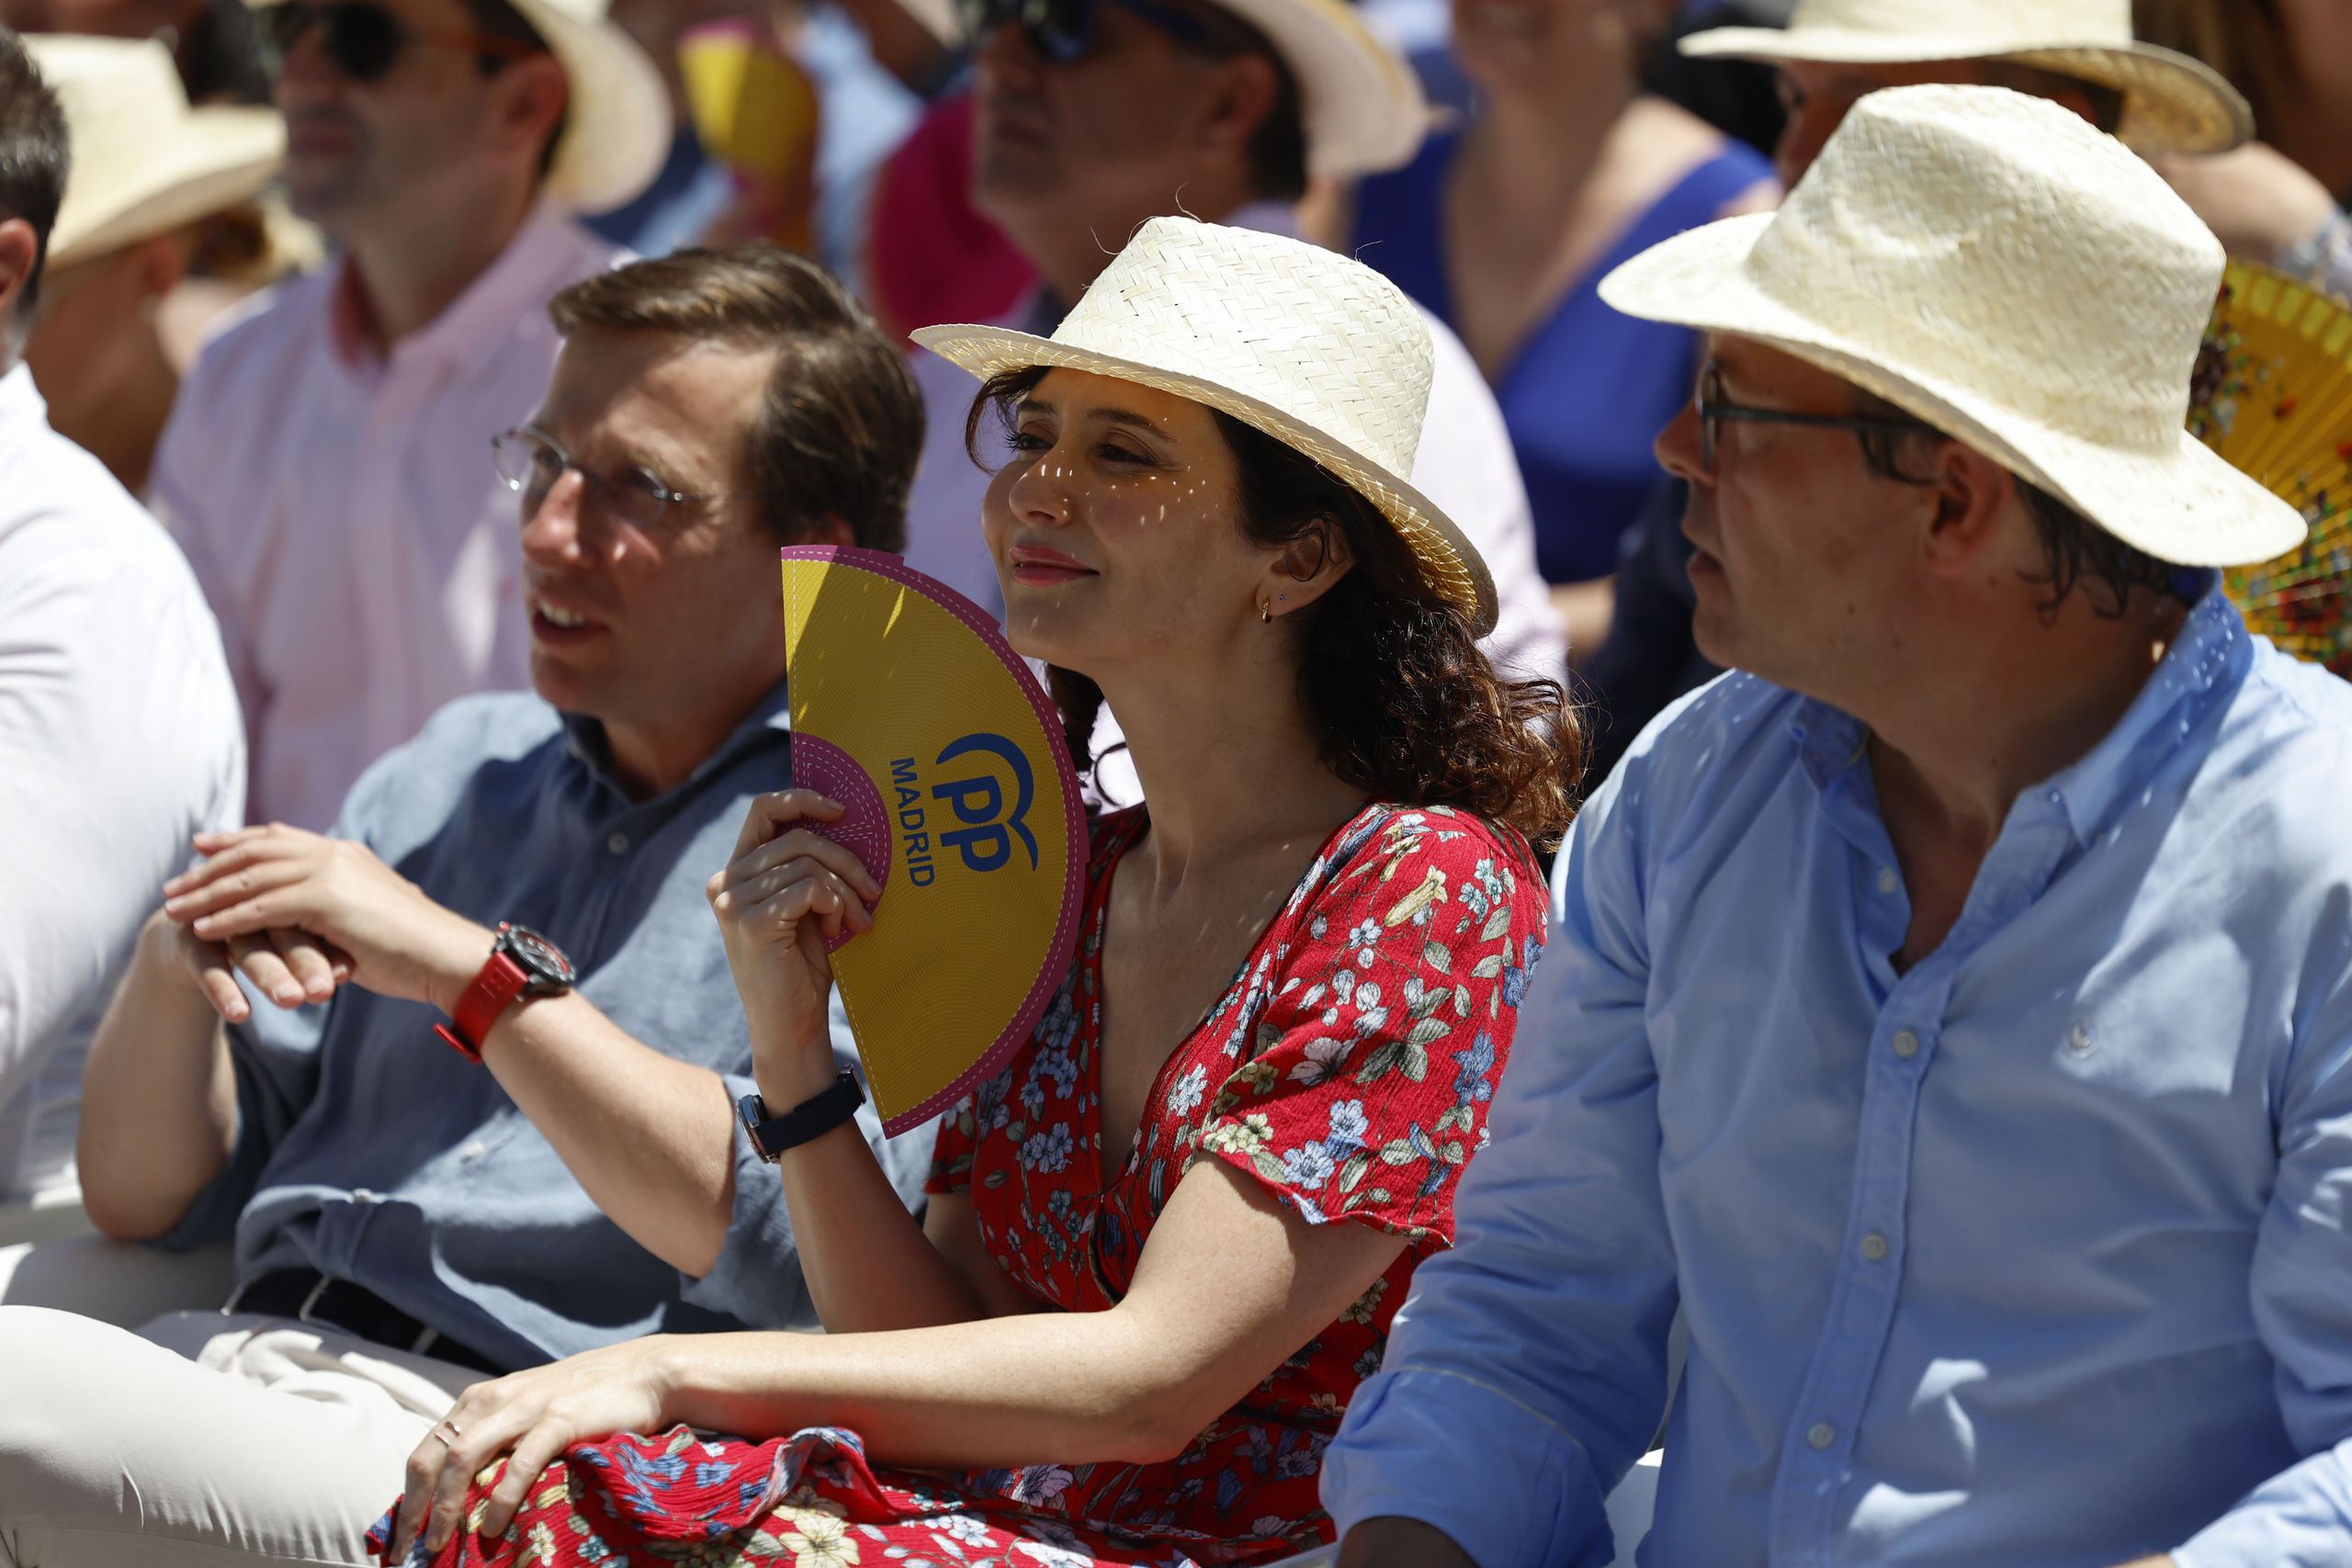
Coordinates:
617 134
144 163
2171 102
1320 352
1362 108
2012 277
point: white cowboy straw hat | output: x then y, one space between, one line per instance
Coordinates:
2171 103
1320 352
144 163
617 127
2013 277
1362 108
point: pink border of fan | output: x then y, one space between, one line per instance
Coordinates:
848 831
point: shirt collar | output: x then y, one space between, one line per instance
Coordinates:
2211 649
585 739
474 326
20 401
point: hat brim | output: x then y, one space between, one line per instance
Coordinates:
617 134
1451 568
2172 102
223 156
2181 503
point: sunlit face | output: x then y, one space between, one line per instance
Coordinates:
644 626
1806 563
1534 45
1105 132
355 147
1116 528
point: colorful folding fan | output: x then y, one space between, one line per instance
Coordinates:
911 709
2273 394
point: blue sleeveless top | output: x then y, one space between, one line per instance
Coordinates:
1589 390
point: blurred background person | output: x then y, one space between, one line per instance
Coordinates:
148 171
2280 200
1504 229
2078 53
212 42
1092 116
328 465
118 732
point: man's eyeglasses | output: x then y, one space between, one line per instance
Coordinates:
364 40
530 461
1709 401
1063 31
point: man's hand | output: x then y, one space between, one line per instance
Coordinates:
1394 1542
299 914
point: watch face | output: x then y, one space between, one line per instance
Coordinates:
549 970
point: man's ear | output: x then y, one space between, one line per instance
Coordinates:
830 530
19 265
533 92
1974 497
163 262
1247 86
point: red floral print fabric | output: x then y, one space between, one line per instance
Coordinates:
1347 1069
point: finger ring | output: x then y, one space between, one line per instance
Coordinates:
455 1430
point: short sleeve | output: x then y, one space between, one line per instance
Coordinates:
1387 1018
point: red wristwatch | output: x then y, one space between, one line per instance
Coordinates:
522 964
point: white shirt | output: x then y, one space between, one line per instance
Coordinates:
1464 465
344 516
119 741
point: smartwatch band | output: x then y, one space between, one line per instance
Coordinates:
805 1123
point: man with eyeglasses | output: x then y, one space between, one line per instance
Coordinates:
327 465
1949 1010
461 1082
1093 116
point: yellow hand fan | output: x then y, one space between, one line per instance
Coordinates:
911 709
2273 395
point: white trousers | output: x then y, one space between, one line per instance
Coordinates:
202 1440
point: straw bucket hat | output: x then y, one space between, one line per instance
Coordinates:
2171 103
2013 277
1362 108
1320 352
617 134
144 163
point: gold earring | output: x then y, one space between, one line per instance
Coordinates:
1265 612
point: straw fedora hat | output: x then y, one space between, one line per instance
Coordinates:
1362 108
143 162
1320 352
2013 277
2171 102
616 133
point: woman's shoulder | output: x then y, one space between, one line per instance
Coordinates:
1440 844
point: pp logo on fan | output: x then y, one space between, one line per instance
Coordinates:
909 707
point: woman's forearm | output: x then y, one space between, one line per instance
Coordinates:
1067 1387
869 1266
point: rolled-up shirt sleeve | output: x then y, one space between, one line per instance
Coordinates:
757 1276
2302 1297
1527 1370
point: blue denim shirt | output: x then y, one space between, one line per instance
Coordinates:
369 1150
2035 1253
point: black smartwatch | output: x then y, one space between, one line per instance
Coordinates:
805 1123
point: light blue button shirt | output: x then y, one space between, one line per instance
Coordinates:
2034 1254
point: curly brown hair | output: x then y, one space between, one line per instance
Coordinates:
1404 704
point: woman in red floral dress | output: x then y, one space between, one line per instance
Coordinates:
1163 1246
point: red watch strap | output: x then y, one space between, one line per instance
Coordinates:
494 991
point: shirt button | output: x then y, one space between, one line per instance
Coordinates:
2082 1038
617 843
1887 881
1906 1044
1820 1435
1874 1249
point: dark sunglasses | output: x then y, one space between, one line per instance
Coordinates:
1709 401
363 39
1063 31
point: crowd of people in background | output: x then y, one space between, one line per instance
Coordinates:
1721 461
